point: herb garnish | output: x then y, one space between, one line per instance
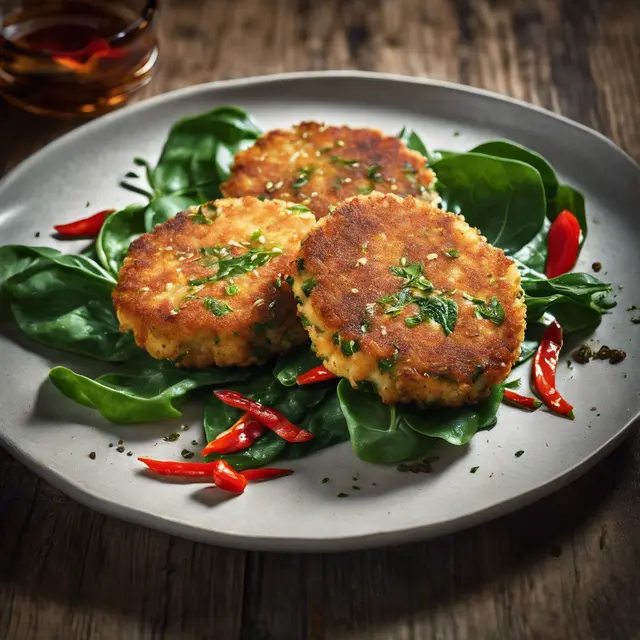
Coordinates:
300 264
229 267
308 286
452 253
344 162
216 307
349 347
231 289
491 310
387 364
373 173
199 214
299 208
303 177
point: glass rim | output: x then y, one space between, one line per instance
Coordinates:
145 15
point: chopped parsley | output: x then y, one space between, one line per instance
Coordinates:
255 236
300 264
452 253
387 364
413 274
299 208
373 173
231 289
344 162
303 177
278 282
308 286
336 338
349 347
491 310
199 214
216 307
229 267
304 320
365 191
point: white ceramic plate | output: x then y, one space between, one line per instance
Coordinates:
53 436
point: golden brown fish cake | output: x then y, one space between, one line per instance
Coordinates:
363 319
207 287
320 166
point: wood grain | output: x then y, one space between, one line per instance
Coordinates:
567 567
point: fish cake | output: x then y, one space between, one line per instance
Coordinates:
410 298
319 166
208 286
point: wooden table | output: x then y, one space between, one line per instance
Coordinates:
567 567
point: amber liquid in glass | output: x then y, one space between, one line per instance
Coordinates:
73 57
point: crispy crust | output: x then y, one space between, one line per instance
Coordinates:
430 367
151 297
272 165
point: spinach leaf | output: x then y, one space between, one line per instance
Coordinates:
15 258
503 198
163 208
64 301
118 232
512 151
441 310
199 150
327 423
378 432
294 363
414 142
455 425
491 310
576 300
142 392
534 254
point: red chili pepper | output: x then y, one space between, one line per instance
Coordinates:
270 418
317 374
183 469
206 469
266 473
522 401
545 363
85 228
240 436
563 244
227 478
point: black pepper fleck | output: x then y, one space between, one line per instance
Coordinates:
172 437
325 480
120 441
518 453
343 495
129 453
184 427
111 444
596 266
187 454
473 469
355 487
37 234
92 455
120 449
194 443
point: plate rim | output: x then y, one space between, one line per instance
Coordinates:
175 526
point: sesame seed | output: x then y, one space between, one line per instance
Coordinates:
347 180
314 194
361 261
143 289
169 248
269 185
394 187
259 302
181 258
276 250
261 240
174 312
432 256
255 273
279 184
383 331
354 290
168 286
305 134
322 128
178 270
403 261
340 143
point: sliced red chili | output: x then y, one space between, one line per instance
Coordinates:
317 374
238 437
526 402
266 473
85 228
545 363
182 469
563 244
227 478
270 418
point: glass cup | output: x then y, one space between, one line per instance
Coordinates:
75 57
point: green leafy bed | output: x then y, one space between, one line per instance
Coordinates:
509 192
